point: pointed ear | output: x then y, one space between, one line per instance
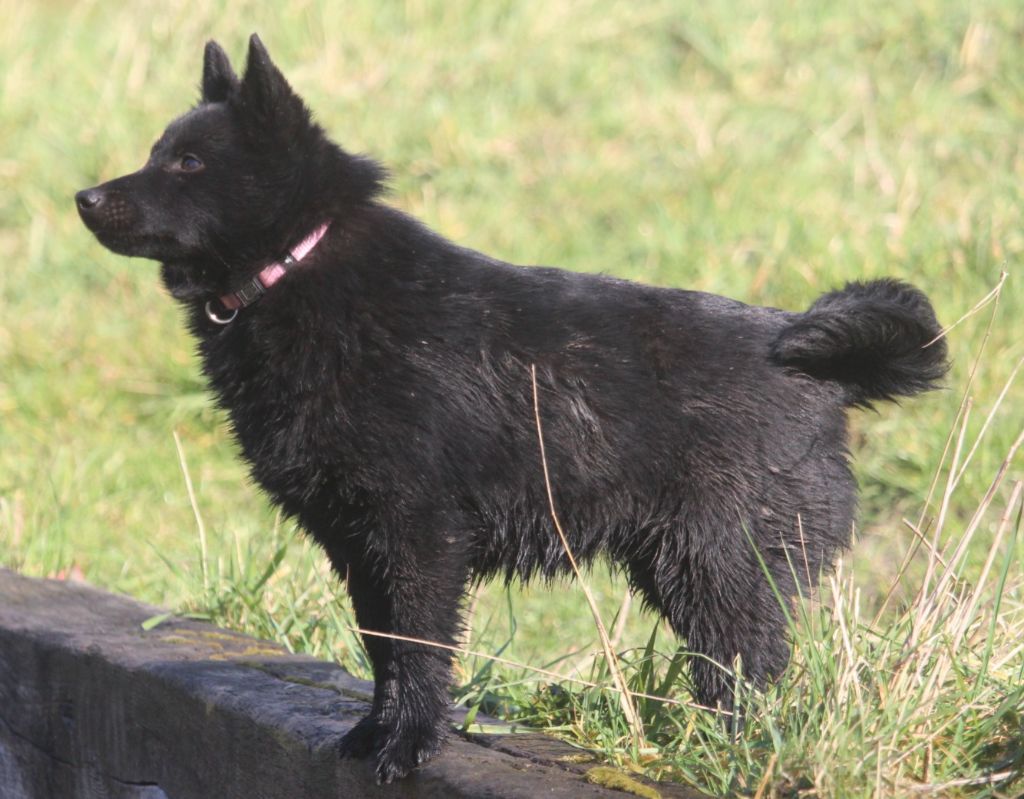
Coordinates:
264 90
219 79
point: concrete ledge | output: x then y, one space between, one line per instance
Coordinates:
92 706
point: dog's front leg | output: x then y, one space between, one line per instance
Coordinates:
372 605
412 593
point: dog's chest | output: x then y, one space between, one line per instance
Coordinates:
288 416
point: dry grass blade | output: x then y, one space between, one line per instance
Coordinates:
195 510
988 421
961 548
993 295
922 540
960 422
942 615
935 548
629 710
942 789
621 617
976 595
461 650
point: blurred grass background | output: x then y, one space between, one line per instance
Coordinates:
765 151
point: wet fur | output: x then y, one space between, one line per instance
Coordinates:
381 395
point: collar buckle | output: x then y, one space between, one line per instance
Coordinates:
250 292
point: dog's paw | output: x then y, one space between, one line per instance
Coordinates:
405 750
366 738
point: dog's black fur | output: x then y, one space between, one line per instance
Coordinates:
381 394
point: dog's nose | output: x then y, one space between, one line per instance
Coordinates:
88 199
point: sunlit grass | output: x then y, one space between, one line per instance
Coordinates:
764 152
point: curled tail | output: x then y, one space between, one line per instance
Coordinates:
876 339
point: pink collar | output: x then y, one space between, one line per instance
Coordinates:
268 276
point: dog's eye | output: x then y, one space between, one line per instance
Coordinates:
189 163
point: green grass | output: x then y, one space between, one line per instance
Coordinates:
762 151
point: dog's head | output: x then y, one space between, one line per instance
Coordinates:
230 184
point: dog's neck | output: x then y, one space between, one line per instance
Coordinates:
267 277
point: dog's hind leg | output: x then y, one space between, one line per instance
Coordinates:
744 621
720 601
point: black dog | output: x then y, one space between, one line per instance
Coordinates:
378 380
